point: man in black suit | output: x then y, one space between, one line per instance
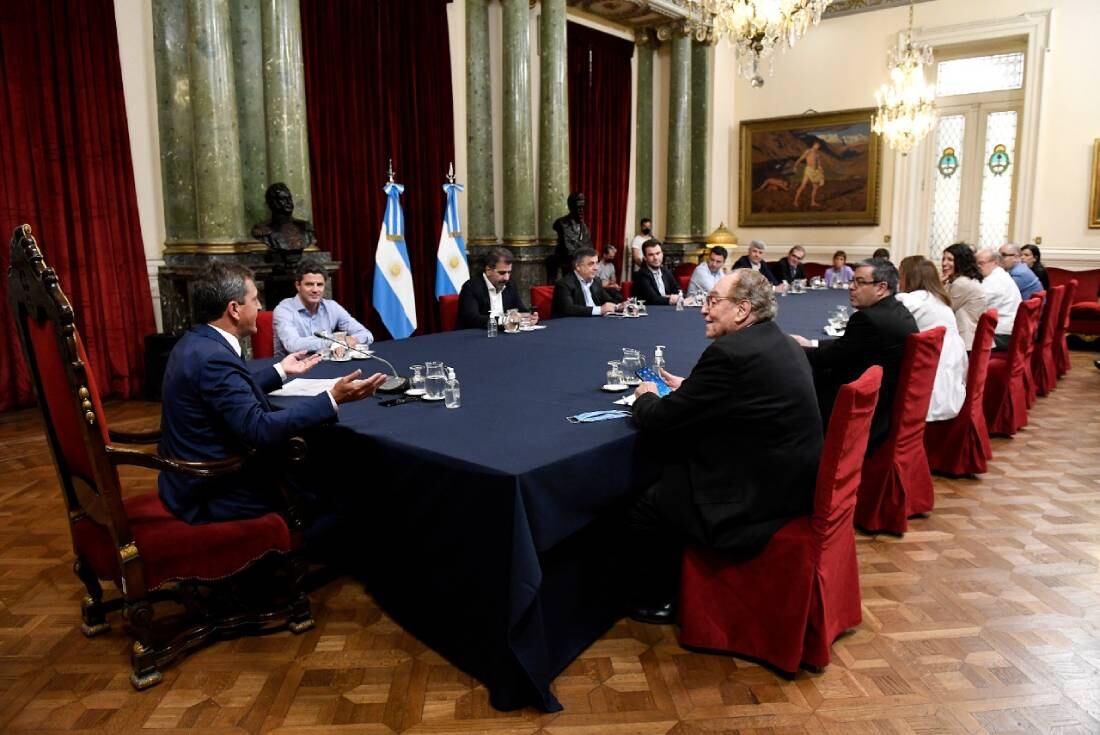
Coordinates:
790 268
753 379
875 335
491 292
755 261
580 293
653 283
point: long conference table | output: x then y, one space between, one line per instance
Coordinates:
492 532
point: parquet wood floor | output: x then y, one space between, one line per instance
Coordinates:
985 617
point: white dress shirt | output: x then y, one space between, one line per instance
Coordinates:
949 390
703 280
496 298
1002 294
586 289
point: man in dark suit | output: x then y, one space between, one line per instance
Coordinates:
653 283
790 268
875 335
215 406
580 293
755 261
491 292
753 379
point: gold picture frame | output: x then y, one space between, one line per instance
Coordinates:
836 183
1094 197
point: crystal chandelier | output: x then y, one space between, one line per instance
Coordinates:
753 27
906 106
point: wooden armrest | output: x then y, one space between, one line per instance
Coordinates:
135 437
208 468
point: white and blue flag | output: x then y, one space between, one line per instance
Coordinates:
393 283
451 268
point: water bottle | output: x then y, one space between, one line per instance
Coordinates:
492 327
680 301
452 396
659 359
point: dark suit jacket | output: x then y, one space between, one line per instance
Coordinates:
214 406
569 298
645 286
744 262
783 272
758 379
874 336
473 302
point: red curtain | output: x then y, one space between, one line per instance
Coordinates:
378 86
65 169
599 130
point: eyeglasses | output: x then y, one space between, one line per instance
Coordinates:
857 282
713 299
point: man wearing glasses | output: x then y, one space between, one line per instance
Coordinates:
490 294
1025 278
875 335
754 380
790 268
1001 293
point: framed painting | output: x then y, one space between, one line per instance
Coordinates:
1094 197
816 169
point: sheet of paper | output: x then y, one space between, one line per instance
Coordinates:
305 387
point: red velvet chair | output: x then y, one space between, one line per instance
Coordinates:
542 300
897 482
1084 313
263 341
1042 359
1005 399
150 555
960 446
684 270
683 281
628 289
448 312
787 605
1029 378
1060 348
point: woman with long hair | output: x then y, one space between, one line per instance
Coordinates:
922 292
963 280
1034 259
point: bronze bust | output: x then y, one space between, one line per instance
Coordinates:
282 232
573 233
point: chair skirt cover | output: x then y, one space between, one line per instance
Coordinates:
960 446
1005 400
1060 349
542 300
1029 378
897 482
263 341
1042 360
788 604
448 312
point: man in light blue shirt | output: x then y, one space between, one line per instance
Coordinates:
298 317
707 274
1024 277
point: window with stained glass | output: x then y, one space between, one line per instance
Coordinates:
996 198
947 184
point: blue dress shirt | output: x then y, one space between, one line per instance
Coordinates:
294 326
1026 280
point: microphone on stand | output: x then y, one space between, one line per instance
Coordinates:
393 384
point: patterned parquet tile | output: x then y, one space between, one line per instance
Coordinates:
985 618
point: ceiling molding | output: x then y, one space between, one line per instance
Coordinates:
840 8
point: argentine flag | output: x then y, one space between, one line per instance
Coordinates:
393 283
451 270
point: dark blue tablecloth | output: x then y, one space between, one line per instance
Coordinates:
489 531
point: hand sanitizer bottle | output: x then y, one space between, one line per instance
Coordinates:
680 301
659 358
452 397
491 329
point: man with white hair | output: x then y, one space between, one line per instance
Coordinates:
755 260
752 379
1025 278
1001 293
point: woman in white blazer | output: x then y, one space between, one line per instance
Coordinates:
924 295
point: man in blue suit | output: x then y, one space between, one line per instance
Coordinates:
215 406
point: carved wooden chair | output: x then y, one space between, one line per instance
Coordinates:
180 585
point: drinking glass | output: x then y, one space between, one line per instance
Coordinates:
340 347
614 372
326 347
511 321
435 380
416 382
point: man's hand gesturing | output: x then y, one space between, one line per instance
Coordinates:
350 388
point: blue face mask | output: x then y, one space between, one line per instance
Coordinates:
592 416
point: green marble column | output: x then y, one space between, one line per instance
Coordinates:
173 76
519 200
284 92
217 153
553 119
678 211
248 73
700 126
481 224
643 136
